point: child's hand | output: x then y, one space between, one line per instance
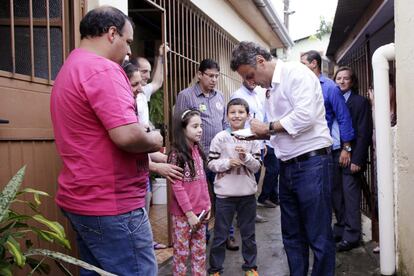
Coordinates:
235 163
241 151
207 217
192 220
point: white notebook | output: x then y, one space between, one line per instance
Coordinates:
243 133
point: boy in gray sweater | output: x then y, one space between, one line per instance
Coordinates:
235 162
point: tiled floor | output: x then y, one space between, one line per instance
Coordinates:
159 224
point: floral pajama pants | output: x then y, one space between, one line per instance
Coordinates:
185 244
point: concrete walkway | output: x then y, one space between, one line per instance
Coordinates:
272 260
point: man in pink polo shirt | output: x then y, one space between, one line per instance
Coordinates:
104 149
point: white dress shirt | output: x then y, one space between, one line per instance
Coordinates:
142 99
296 101
255 98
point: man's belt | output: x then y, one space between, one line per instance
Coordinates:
306 156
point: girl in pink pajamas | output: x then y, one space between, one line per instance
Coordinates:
190 195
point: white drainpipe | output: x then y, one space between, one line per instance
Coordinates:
384 157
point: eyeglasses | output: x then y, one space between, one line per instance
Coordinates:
212 76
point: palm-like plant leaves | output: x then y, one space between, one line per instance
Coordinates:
15 249
9 192
67 259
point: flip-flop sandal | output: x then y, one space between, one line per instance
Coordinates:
158 246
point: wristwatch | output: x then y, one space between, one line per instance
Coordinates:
272 131
347 148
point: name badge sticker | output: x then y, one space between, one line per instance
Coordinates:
202 107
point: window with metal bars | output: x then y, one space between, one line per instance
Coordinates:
33 40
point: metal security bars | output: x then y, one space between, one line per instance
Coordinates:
33 39
359 61
192 37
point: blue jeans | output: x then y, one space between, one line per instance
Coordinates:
120 244
270 189
245 206
306 214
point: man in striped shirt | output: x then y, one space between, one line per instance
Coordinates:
210 102
205 98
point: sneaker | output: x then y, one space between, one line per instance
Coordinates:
251 272
266 204
346 246
231 244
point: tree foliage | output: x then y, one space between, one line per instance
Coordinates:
325 27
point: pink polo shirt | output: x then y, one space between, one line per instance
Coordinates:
92 95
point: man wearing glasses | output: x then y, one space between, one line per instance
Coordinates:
210 102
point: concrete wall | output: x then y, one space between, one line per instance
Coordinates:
224 15
218 10
306 45
404 25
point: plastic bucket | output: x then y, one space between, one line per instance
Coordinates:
159 191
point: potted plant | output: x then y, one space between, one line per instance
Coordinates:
16 247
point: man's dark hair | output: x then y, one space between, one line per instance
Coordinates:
98 21
208 64
313 55
238 101
245 53
129 69
354 78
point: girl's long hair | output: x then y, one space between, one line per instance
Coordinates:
180 145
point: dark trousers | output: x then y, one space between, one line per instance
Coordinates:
245 207
210 180
346 200
306 215
270 189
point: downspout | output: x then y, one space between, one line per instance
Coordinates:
384 157
274 21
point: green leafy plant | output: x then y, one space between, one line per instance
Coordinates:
16 248
156 109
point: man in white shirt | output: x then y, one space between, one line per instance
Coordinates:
269 196
148 89
299 133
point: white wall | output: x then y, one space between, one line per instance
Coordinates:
404 25
225 16
306 45
119 4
